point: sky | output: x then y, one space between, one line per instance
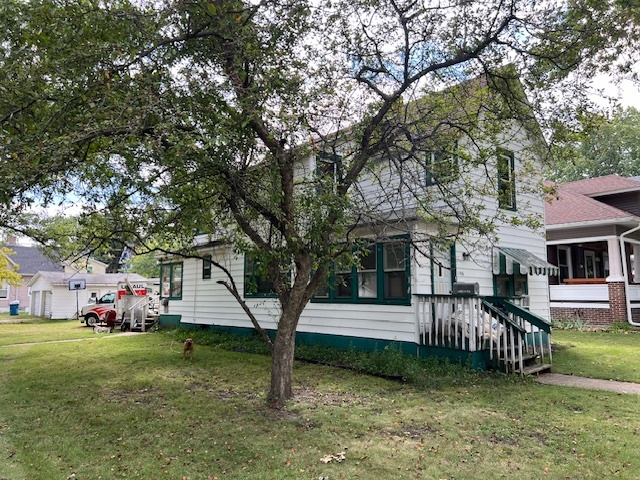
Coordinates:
627 92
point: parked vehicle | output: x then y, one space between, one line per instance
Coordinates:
132 306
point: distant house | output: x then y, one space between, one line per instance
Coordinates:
85 265
51 297
593 236
29 261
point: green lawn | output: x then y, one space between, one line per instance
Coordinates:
607 355
130 407
29 329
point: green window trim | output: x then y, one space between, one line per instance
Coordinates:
206 267
256 283
441 167
515 285
506 179
383 277
328 171
171 280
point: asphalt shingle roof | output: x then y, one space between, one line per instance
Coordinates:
30 260
574 202
602 185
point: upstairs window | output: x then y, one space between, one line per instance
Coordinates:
328 171
506 180
381 275
206 267
441 167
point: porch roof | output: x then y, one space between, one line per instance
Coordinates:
505 257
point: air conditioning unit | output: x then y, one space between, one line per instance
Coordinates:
460 288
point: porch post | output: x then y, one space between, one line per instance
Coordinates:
615 261
636 262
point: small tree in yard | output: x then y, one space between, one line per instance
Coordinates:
185 116
8 272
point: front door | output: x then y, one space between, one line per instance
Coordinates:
590 264
442 271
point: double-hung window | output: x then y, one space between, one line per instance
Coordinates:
328 171
506 180
441 167
171 280
206 267
256 280
514 285
379 274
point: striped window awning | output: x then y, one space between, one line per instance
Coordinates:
504 259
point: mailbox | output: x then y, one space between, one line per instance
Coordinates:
460 288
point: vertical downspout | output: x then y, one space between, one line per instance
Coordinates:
625 272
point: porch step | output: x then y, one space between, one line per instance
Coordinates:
536 369
527 358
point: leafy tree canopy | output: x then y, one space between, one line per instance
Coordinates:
8 271
606 146
168 118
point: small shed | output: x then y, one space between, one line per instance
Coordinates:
51 297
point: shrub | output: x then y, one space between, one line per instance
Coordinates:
570 323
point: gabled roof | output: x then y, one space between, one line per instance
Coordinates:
577 202
30 260
92 280
603 185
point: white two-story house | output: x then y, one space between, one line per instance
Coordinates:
475 296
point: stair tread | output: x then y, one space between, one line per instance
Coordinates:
526 357
537 368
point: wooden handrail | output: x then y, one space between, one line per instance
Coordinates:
584 281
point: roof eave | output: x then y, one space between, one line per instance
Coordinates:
611 192
594 223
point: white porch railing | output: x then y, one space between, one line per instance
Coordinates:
579 296
512 336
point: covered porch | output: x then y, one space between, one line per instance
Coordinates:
598 278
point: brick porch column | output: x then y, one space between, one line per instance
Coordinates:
617 302
616 282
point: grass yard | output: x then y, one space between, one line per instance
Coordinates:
606 355
28 329
130 407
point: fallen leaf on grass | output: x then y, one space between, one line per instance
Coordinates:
338 457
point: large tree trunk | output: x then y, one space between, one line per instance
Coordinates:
282 358
283 350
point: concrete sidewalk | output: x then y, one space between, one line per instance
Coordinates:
590 383
111 335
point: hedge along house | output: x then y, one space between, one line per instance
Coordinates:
593 236
420 281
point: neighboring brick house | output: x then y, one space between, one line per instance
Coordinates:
30 261
593 236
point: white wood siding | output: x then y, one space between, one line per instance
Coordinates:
207 302
62 301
